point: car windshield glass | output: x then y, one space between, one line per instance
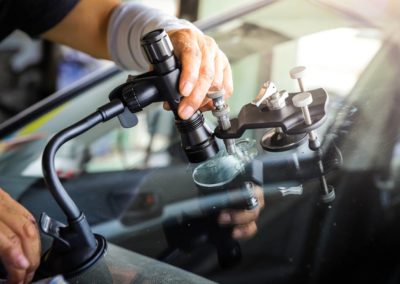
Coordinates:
326 210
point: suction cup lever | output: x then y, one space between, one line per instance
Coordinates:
267 90
128 119
75 248
52 227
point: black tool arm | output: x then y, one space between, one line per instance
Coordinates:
50 174
75 248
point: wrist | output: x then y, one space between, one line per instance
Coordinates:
128 24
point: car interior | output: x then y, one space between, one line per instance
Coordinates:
136 185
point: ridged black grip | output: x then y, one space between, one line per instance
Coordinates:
157 46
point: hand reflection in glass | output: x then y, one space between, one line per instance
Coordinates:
243 221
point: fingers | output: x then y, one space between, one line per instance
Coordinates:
205 78
24 226
243 232
239 217
227 83
19 240
6 200
204 66
219 66
186 48
12 255
244 221
259 193
31 247
222 80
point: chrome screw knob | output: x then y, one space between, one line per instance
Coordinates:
221 112
218 98
303 100
297 73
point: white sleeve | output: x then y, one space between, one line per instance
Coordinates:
128 24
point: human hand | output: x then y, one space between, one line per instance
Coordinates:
243 221
19 240
204 67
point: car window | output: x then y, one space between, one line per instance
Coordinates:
258 52
136 186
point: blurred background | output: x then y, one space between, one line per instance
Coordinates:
351 48
32 69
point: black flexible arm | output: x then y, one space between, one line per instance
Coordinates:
75 248
103 114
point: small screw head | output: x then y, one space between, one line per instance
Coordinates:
302 100
297 72
216 94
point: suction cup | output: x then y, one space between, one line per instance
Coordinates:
70 263
275 141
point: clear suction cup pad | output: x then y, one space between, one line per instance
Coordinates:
223 168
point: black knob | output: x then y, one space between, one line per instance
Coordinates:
157 46
197 140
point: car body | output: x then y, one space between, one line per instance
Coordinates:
136 188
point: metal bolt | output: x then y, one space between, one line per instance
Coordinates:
221 112
303 100
327 191
298 73
277 100
217 97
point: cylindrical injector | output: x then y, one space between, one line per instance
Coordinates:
221 112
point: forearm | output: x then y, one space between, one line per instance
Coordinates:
85 27
128 24
110 30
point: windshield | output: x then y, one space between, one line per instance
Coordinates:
136 186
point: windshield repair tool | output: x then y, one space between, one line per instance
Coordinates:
291 116
276 140
228 177
161 84
75 248
273 109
